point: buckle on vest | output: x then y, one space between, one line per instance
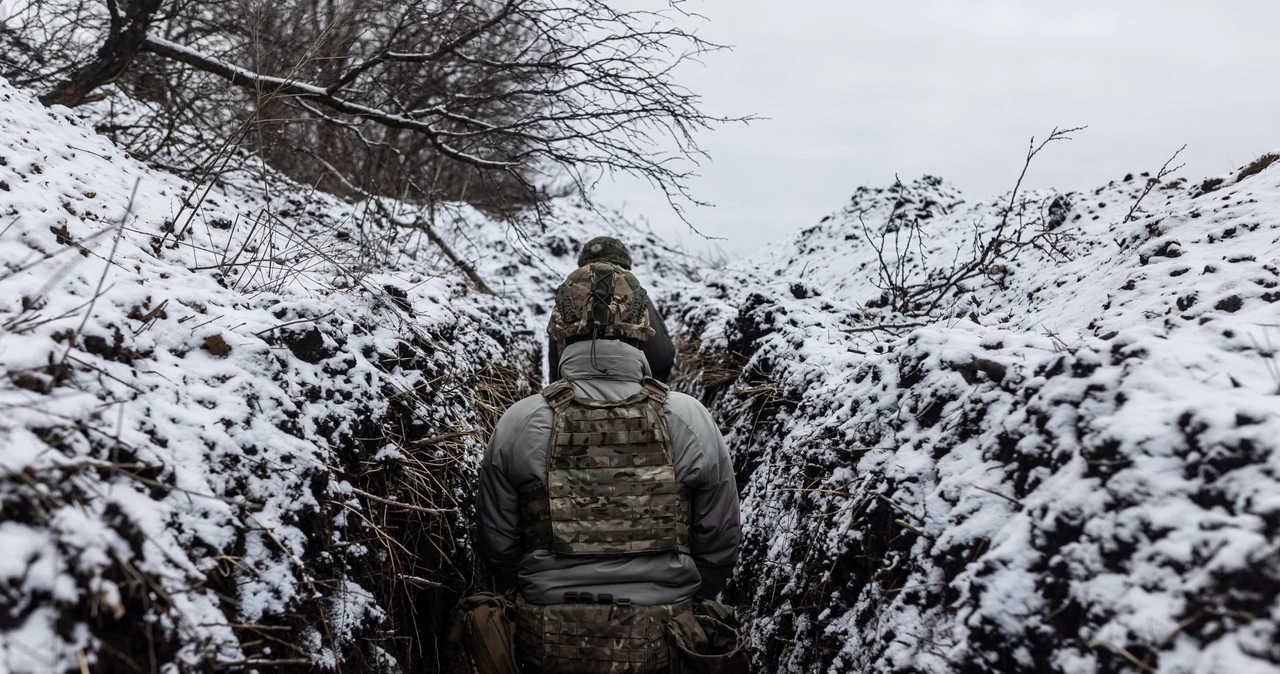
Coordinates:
656 389
558 394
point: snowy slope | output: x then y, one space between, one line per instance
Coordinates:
1070 465
239 431
214 403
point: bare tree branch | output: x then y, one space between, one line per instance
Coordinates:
278 86
113 58
520 98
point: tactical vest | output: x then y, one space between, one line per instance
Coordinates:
611 480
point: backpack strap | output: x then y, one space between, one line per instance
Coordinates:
559 394
656 389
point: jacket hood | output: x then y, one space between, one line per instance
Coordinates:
614 360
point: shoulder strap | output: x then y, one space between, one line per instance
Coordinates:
559 394
656 389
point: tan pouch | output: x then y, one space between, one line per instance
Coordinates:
483 626
702 642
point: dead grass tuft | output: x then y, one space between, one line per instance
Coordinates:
705 370
1258 166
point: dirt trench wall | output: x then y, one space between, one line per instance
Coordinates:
976 496
230 440
250 512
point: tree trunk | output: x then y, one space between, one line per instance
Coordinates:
113 58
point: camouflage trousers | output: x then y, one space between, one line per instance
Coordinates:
594 638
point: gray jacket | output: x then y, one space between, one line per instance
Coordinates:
517 454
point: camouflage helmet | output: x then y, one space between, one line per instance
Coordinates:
601 300
605 249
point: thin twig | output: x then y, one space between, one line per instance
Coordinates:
1152 182
908 527
1142 666
458 262
262 663
406 506
996 493
441 438
300 320
895 504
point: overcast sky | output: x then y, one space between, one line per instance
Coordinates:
857 91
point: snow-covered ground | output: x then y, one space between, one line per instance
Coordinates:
213 403
239 430
1070 465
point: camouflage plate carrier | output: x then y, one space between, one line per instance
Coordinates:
611 490
611 479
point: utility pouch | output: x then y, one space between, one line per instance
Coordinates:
702 641
483 626
588 637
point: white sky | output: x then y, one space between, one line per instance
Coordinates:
857 91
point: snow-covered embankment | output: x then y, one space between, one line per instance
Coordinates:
1072 464
226 440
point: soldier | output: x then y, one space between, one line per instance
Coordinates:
607 502
658 350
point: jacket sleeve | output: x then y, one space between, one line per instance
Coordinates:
498 509
717 527
659 350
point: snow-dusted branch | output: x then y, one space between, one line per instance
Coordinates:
518 99
912 288
285 87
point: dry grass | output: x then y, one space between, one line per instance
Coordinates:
704 370
417 509
1258 166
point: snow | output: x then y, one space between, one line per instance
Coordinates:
192 374
1077 456
1069 464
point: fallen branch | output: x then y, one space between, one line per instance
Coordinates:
466 268
406 506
